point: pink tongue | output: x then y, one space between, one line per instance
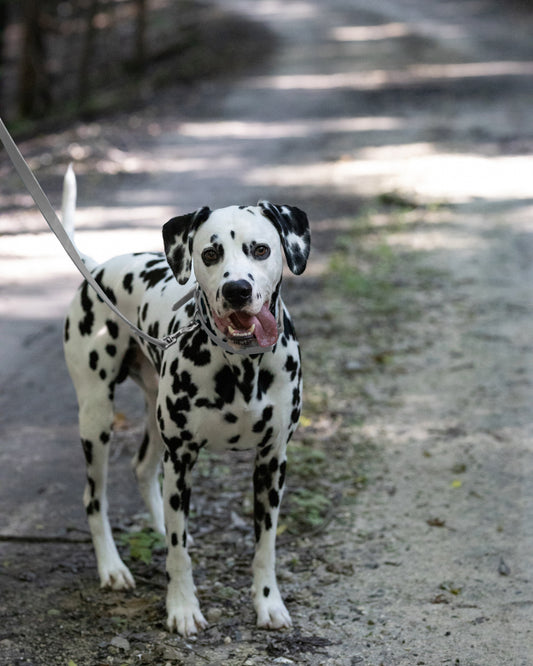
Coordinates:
266 328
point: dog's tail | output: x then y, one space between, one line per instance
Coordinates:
68 212
68 202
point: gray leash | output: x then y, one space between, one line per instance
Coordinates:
42 202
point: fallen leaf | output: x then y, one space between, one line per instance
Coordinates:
436 522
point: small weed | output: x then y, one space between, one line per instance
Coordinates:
450 587
396 200
306 461
142 544
309 508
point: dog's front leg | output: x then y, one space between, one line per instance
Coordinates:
183 609
269 479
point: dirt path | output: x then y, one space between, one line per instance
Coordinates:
418 425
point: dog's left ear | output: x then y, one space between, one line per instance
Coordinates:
178 234
293 227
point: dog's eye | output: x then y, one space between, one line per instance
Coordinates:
209 256
261 251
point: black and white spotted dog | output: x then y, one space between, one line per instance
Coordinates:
232 381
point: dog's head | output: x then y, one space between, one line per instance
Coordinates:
236 253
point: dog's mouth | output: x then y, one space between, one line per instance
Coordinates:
242 328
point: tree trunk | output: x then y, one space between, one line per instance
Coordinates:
139 57
34 93
86 53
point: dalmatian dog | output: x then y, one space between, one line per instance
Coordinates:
231 381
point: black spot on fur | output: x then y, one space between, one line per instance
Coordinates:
191 347
178 410
153 329
143 448
266 591
230 418
66 330
93 360
262 479
86 324
176 259
127 283
111 350
175 502
296 396
112 327
154 277
225 384
103 374
107 290
260 425
87 446
282 470
173 444
104 437
174 539
264 382
273 498
291 366
93 507
182 382
266 439
186 500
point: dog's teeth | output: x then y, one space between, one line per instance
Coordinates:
240 334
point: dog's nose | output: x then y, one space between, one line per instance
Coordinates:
237 293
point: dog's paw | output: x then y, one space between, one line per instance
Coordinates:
117 578
272 614
186 619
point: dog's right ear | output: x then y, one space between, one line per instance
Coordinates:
178 234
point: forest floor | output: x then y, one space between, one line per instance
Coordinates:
406 534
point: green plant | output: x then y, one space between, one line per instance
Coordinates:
142 544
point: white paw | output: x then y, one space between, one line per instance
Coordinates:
272 614
186 619
117 578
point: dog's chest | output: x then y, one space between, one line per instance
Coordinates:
223 405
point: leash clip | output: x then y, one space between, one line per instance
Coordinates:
169 340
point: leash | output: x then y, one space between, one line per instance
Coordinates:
44 205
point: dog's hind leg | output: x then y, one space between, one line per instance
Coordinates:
96 422
97 355
147 462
